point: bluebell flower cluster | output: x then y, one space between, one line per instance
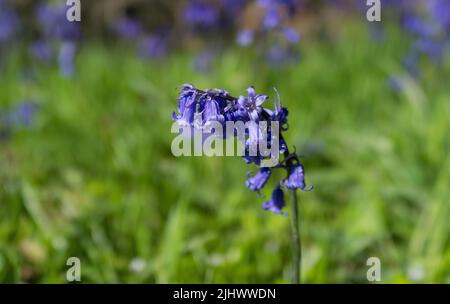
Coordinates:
148 45
217 105
428 23
201 15
58 37
19 116
9 23
281 39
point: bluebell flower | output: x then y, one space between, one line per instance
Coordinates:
278 55
153 46
432 48
252 103
217 105
9 23
187 105
128 28
257 182
54 23
200 14
21 115
272 18
212 110
66 58
203 61
276 202
296 178
41 50
440 10
232 7
245 37
291 35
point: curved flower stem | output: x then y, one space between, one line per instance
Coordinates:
296 240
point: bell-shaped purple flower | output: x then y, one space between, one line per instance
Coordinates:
200 14
128 28
187 104
291 35
276 202
245 37
41 50
212 111
257 182
296 178
66 58
9 23
153 46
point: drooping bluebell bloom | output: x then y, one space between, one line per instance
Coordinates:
200 15
153 46
245 37
440 10
291 35
187 105
296 178
9 23
66 58
232 7
432 48
258 181
274 23
21 115
272 18
203 61
41 50
128 28
58 31
276 202
54 24
212 110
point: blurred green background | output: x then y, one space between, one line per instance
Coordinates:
93 176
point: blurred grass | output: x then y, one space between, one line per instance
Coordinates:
94 176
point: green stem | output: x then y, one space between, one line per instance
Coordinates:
296 241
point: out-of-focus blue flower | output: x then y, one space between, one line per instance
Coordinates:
433 49
128 28
272 18
66 58
410 62
9 23
232 7
41 50
54 23
278 55
257 182
440 10
20 115
153 46
418 26
245 37
276 202
203 61
200 14
396 83
291 35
